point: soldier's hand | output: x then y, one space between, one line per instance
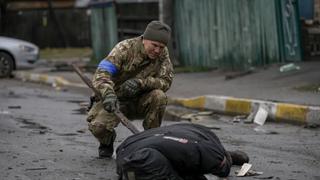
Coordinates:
131 88
110 102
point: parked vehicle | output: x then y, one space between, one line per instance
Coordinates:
16 54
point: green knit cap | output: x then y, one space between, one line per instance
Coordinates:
157 31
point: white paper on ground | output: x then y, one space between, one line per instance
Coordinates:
261 116
244 169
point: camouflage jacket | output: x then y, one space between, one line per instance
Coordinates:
128 60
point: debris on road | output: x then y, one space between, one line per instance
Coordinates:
193 117
261 116
14 107
174 113
239 118
244 169
35 169
312 126
289 67
247 171
4 112
252 114
253 173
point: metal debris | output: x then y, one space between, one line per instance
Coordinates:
247 171
244 169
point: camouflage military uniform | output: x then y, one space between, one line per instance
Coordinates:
131 61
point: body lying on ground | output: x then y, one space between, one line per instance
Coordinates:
175 152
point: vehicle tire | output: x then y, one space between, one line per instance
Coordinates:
6 65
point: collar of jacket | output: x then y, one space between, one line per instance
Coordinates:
141 47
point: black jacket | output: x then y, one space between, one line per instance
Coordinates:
182 151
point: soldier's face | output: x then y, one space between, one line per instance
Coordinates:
153 48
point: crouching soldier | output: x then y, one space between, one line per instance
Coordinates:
134 76
175 152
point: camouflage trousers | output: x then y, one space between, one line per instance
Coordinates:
150 106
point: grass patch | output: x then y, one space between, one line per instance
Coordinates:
65 53
309 88
189 69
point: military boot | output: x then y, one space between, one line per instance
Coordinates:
105 151
238 157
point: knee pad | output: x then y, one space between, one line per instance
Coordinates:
98 129
159 97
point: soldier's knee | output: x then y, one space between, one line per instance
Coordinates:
159 97
98 129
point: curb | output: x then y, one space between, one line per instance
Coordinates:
46 79
279 112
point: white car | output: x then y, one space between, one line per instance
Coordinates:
16 54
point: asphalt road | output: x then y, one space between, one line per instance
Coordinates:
43 135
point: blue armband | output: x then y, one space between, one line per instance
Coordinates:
106 65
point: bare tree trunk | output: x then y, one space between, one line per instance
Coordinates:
55 20
3 10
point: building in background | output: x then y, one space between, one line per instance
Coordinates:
229 34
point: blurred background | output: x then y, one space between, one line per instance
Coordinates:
228 34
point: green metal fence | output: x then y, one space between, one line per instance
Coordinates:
289 30
104 33
234 34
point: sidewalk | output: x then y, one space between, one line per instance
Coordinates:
278 92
